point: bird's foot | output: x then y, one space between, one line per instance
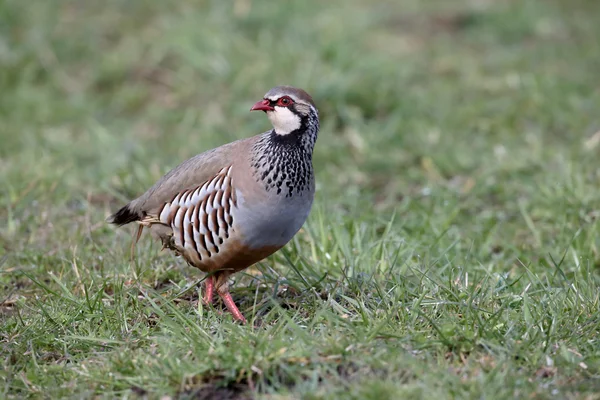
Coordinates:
209 289
229 303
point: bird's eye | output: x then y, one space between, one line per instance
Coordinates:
284 101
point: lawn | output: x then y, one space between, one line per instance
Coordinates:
453 248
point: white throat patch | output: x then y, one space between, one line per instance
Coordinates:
284 120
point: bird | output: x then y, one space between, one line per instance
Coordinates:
228 208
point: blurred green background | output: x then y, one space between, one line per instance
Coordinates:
453 248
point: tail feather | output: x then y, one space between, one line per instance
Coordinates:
124 216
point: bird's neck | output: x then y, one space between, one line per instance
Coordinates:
283 163
305 136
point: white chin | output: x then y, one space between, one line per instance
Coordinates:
284 120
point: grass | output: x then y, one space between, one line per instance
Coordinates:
453 248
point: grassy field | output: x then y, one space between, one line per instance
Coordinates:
453 250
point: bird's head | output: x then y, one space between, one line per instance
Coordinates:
289 109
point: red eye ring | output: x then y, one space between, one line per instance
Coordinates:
285 101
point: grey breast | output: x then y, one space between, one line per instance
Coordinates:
274 220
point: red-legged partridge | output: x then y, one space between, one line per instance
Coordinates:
230 207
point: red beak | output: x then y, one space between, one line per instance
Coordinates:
263 105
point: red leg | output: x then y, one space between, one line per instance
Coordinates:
209 287
232 307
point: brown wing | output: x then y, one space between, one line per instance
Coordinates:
189 175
